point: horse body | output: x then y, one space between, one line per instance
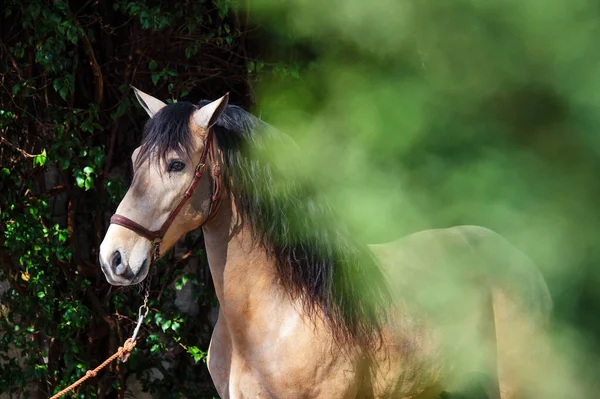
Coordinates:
300 302
264 347
469 305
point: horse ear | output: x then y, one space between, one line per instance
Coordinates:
150 104
207 116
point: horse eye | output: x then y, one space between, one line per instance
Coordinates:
176 166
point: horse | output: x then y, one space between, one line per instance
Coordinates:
305 309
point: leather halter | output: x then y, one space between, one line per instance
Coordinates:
156 236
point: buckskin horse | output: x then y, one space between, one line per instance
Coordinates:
306 311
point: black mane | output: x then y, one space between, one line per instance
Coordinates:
317 259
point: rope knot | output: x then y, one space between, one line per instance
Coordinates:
129 345
125 350
90 373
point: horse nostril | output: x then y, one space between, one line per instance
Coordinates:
117 264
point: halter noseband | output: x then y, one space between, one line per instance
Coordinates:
156 236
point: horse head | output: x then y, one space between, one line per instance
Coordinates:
175 187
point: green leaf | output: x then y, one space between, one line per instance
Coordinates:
68 86
63 91
57 84
166 325
73 34
88 170
41 294
62 237
88 183
196 353
40 160
64 85
5 171
155 78
152 65
179 284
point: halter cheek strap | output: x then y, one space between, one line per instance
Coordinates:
156 236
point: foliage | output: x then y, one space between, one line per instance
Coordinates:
68 124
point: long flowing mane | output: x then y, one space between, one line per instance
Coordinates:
317 258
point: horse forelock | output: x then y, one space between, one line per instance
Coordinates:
167 131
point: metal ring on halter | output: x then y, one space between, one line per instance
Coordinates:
145 308
142 311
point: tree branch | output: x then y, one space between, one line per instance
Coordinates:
99 87
14 147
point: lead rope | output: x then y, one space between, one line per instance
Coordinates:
125 350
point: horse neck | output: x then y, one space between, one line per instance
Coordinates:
244 275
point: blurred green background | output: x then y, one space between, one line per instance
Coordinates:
428 114
411 114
